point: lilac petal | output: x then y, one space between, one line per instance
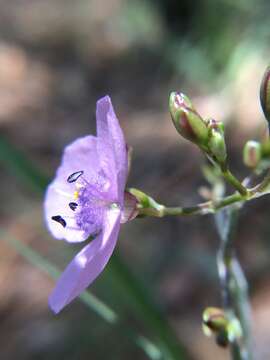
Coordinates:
79 155
87 264
110 133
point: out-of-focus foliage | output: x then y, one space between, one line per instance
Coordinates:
56 58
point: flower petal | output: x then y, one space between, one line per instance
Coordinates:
87 264
110 133
79 155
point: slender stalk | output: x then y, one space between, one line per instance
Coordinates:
234 181
234 285
242 306
208 207
260 188
227 175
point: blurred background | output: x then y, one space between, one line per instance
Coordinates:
57 57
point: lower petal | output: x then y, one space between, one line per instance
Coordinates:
87 264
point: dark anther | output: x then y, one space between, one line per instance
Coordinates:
75 176
73 205
60 220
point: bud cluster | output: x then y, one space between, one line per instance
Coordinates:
254 152
207 134
229 326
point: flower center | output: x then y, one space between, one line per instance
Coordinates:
90 202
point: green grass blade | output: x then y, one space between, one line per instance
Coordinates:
140 298
20 167
99 307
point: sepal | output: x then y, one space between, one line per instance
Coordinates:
146 205
216 143
130 211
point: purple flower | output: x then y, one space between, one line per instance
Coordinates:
85 199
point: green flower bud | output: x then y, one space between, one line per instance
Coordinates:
252 154
186 120
215 323
214 319
216 144
265 94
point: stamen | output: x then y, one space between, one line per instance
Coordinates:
74 177
73 228
60 192
60 220
73 206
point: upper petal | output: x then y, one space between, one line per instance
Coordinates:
110 133
80 155
87 264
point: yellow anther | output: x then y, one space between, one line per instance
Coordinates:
76 195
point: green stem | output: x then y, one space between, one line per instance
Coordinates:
152 208
242 307
234 181
234 286
208 207
260 188
228 176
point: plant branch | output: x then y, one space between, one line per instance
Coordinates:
233 284
208 207
260 188
231 179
